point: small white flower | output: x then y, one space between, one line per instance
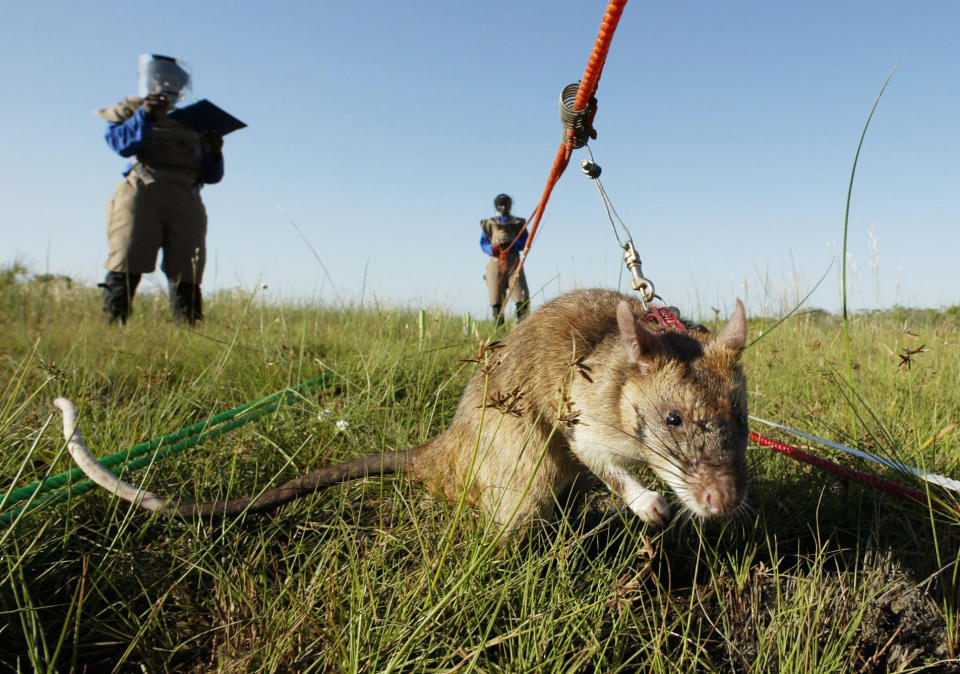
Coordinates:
342 425
323 415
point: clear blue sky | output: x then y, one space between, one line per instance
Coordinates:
727 132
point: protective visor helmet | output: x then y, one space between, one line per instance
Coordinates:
163 75
502 200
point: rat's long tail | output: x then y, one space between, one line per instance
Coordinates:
372 464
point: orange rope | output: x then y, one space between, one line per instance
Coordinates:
588 88
591 76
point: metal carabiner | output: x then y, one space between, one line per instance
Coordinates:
640 283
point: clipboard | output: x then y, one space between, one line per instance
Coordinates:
205 116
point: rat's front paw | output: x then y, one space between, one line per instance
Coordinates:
651 507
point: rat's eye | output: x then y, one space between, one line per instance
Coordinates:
674 419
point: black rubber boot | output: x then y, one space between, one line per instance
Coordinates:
118 291
522 309
186 302
497 316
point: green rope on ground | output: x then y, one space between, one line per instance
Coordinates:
128 459
83 486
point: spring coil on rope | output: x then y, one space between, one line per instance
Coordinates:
578 120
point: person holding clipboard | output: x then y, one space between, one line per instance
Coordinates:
174 152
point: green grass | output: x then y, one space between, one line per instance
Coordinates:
816 576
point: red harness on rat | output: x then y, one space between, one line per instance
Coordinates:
666 318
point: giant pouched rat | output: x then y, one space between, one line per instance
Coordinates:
580 384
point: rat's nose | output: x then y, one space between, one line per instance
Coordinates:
713 499
715 494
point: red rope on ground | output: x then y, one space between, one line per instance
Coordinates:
587 89
848 473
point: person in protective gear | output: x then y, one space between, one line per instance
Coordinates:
157 206
503 238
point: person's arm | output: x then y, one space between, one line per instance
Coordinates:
211 171
521 241
211 166
485 244
126 138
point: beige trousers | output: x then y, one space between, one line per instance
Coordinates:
498 283
143 219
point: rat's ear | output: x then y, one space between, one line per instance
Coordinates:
638 343
734 334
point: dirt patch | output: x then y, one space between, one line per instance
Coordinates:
903 628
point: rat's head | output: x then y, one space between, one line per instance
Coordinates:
685 400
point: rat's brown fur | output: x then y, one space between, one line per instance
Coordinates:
580 385
579 399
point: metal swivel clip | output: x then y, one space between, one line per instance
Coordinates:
640 283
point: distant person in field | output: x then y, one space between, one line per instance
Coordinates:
503 238
157 206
